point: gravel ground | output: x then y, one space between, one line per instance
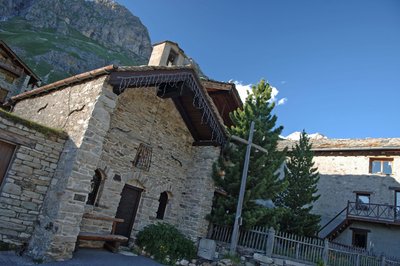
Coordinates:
85 257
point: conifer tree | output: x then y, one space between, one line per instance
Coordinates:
301 192
262 180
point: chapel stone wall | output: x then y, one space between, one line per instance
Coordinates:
83 111
31 171
142 117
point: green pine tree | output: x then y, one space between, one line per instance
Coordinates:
262 180
301 192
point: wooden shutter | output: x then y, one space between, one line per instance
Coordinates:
6 153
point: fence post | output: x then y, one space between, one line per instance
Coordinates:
270 242
210 231
383 260
358 259
325 252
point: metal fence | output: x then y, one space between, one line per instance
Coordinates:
300 248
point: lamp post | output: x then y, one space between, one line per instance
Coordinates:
238 218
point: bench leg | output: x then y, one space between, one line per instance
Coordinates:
112 246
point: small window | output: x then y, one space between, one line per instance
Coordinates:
94 187
362 201
6 154
360 238
163 200
381 166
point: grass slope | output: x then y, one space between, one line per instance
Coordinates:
32 42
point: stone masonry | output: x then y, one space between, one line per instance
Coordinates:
177 166
83 112
26 184
105 131
340 176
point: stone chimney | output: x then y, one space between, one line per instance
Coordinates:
168 53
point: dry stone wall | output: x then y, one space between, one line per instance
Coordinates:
26 184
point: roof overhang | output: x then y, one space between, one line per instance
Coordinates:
181 84
190 98
225 97
11 53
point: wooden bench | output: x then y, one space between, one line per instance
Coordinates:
112 241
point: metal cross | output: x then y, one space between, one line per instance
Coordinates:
238 218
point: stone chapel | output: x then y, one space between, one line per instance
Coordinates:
135 143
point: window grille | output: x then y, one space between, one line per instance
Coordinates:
143 157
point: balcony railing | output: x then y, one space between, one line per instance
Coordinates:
373 212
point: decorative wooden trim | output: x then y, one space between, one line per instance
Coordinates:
16 139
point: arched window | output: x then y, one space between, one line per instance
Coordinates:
94 187
162 205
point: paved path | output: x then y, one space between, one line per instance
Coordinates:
86 257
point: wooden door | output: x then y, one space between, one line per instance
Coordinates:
6 153
127 209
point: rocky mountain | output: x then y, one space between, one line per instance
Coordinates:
60 38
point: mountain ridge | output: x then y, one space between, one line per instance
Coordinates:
60 38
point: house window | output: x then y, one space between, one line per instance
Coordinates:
381 166
362 201
360 238
3 95
6 154
95 187
163 200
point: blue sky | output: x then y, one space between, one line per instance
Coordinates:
336 62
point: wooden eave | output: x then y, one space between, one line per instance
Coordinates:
19 62
225 97
203 130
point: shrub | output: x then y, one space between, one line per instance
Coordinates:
165 243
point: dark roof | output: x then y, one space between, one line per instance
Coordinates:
65 82
348 144
16 58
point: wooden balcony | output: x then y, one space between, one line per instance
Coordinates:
371 212
8 65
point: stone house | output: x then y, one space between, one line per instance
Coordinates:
15 76
141 145
360 192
